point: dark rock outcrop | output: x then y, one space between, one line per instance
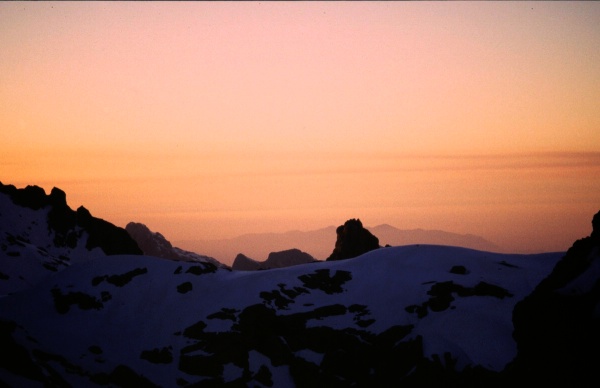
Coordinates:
111 239
279 259
352 240
557 327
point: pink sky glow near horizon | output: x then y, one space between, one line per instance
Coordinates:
206 120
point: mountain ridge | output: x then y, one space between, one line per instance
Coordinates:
319 242
412 315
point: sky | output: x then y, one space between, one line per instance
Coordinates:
207 120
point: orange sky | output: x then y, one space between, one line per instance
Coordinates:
208 120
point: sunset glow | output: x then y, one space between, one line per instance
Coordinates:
213 119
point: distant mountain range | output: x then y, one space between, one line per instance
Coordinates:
320 243
81 305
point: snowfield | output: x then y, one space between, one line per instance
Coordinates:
128 306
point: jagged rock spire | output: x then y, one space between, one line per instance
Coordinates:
352 240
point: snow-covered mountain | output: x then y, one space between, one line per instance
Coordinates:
155 244
415 315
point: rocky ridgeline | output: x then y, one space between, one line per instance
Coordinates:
155 244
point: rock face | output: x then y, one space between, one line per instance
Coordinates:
557 326
280 259
352 240
155 244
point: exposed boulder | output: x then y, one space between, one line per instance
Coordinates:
556 327
352 240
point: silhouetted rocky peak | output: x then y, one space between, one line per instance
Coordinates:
151 243
352 240
58 197
155 244
244 263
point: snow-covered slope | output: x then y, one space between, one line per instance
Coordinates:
40 235
389 314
